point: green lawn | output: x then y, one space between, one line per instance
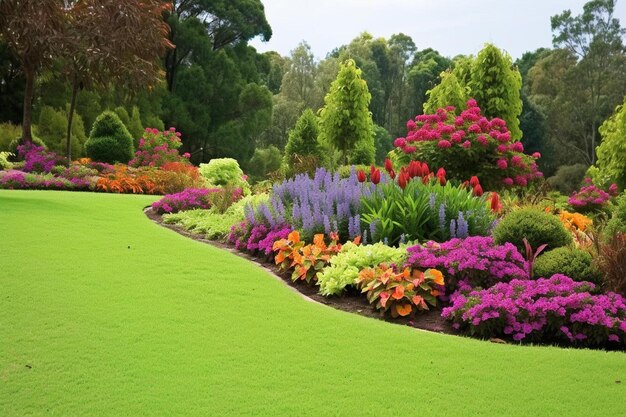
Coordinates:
103 313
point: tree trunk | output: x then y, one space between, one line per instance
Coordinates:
70 119
27 115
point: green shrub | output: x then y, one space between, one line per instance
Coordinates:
4 160
344 267
617 224
224 172
18 141
109 140
537 226
263 162
8 133
568 178
384 144
346 170
52 129
575 263
304 140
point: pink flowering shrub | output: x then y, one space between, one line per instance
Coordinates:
257 237
557 309
18 180
475 260
189 199
590 197
469 145
157 148
37 158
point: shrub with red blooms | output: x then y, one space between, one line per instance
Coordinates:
469 145
557 309
157 148
590 197
189 199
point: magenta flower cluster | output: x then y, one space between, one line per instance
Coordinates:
557 309
189 199
474 261
157 148
37 158
257 237
18 180
591 197
469 144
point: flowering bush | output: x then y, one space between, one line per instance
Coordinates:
37 158
306 260
591 197
344 268
157 148
128 181
18 180
469 145
401 293
424 210
475 260
189 199
324 203
557 309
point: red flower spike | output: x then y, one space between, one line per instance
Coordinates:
360 175
372 170
441 175
375 175
415 169
474 181
478 191
496 206
392 174
425 169
403 179
388 165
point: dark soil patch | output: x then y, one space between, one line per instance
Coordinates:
351 301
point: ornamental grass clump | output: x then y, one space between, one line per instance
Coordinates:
476 261
553 310
469 145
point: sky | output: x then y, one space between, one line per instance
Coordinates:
452 27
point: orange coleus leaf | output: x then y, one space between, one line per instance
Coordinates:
417 300
436 275
403 309
357 240
384 296
418 277
398 292
386 276
318 240
294 237
435 293
280 257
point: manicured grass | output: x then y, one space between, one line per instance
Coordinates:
103 313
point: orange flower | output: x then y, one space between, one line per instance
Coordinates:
436 275
403 309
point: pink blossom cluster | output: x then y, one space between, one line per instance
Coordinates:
591 197
189 199
557 309
37 158
18 180
475 261
469 145
157 148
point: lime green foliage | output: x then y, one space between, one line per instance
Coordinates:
491 79
610 167
346 170
617 224
263 162
4 163
8 133
52 129
109 140
344 267
156 324
346 122
568 178
135 127
304 139
449 92
211 223
574 263
224 172
537 226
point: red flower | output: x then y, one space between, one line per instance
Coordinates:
474 181
415 169
375 175
403 178
392 174
441 174
361 175
388 165
496 206
478 190
425 169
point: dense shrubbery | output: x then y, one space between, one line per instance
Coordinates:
225 172
536 226
469 145
568 178
575 263
344 268
476 261
617 224
109 140
38 159
557 309
158 148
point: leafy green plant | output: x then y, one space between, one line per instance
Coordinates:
424 210
574 263
344 268
4 160
304 139
535 225
224 172
109 140
617 224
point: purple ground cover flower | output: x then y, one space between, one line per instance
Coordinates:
191 198
591 197
37 158
19 180
475 260
557 309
